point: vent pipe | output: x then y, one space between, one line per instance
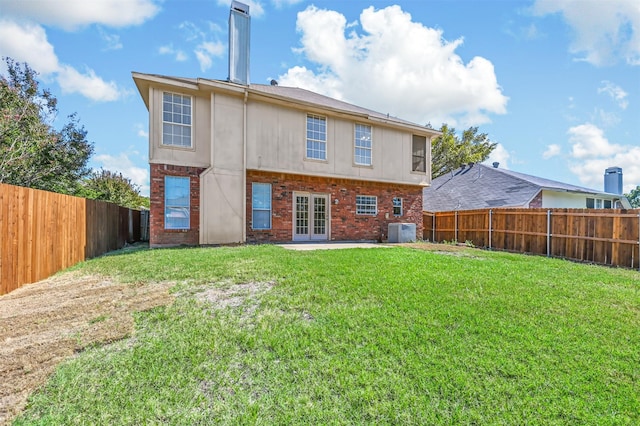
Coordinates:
239 37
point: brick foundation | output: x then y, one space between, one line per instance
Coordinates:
158 236
344 225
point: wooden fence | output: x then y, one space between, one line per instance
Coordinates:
607 237
43 232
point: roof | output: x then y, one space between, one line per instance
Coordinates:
477 186
284 93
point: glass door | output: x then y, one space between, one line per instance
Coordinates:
311 217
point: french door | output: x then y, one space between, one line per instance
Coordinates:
310 216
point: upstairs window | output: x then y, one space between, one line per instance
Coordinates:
362 154
177 212
366 204
176 120
419 157
316 137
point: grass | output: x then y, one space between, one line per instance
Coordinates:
362 336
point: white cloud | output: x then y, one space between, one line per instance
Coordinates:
112 41
394 66
588 141
121 163
615 92
605 31
499 155
592 153
282 3
27 42
88 85
206 51
552 150
71 14
178 54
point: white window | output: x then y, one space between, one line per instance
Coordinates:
366 204
261 205
419 157
176 120
176 202
362 144
316 137
598 203
397 206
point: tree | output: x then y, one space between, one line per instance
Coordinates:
32 152
634 197
448 152
110 186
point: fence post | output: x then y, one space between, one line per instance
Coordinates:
433 228
548 233
456 227
490 226
638 244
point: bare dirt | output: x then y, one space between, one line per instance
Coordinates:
43 324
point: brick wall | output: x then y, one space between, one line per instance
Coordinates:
158 236
344 225
536 203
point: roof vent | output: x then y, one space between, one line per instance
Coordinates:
274 82
495 164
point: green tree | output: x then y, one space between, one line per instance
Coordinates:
634 197
110 186
448 151
32 152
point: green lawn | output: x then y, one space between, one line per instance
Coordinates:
361 336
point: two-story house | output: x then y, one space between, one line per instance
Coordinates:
233 162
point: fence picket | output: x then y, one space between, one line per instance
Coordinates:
42 232
604 236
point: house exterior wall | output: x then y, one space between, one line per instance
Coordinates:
158 235
276 141
344 223
234 129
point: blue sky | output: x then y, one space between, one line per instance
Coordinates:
556 83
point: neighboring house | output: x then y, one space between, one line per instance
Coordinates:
477 186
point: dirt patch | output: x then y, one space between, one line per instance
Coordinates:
43 324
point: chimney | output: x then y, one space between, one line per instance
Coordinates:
239 36
613 180
495 164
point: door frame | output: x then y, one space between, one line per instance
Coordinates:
310 236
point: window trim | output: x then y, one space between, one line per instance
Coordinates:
170 206
401 206
254 209
361 206
307 139
423 157
191 145
356 147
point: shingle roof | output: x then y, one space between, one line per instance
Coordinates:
478 186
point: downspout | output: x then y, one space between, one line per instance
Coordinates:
244 166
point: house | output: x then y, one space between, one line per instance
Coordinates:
234 162
477 186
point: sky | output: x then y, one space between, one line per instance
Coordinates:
555 83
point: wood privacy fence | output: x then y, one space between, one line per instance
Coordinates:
43 232
608 237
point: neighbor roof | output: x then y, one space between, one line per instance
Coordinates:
477 186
